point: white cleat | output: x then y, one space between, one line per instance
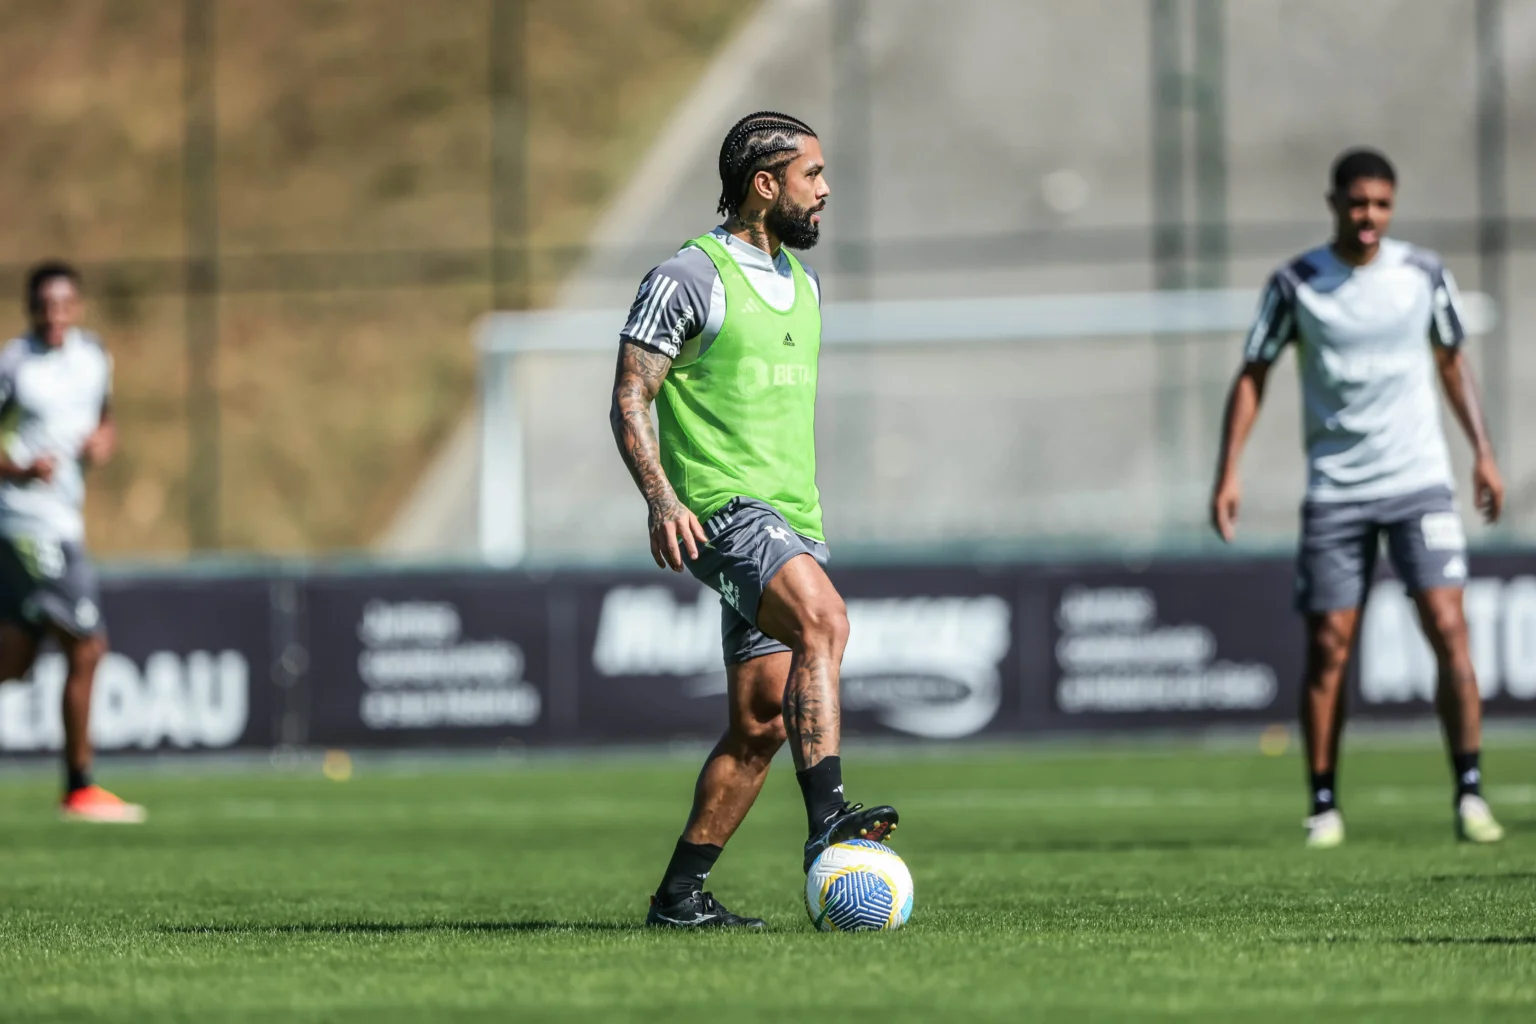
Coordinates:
1474 821
1325 831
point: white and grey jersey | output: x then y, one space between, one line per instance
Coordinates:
681 304
1363 334
51 400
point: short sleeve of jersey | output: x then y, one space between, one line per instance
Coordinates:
1275 325
1447 326
673 303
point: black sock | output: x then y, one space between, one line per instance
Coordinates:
1469 777
686 871
1323 793
76 778
822 786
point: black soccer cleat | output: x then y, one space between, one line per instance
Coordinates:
697 910
852 822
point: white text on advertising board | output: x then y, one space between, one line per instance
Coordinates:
926 666
201 699
1396 665
1116 657
420 673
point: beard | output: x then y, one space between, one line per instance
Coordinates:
792 224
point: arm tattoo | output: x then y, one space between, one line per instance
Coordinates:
637 378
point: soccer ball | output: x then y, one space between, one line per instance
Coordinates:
858 886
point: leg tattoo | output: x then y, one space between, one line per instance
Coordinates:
812 711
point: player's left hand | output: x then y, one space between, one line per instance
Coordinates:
99 446
1488 488
1225 501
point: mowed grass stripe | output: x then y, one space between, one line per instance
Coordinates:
1091 884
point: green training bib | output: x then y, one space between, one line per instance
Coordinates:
740 419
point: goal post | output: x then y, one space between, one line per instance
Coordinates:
980 422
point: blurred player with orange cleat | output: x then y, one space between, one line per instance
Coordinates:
55 422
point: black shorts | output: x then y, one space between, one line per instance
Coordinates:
48 583
749 542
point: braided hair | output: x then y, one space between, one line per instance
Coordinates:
752 146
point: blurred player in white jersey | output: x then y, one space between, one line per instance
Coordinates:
1375 321
55 422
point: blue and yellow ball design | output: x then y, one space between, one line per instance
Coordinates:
858 886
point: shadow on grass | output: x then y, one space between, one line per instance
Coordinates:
1048 845
1499 876
1468 940
1411 940
396 927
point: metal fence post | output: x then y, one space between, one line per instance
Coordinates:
1210 103
511 275
1181 144
1209 361
290 661
1493 225
201 232
851 144
1169 87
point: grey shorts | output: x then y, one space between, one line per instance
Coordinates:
45 582
749 542
1340 540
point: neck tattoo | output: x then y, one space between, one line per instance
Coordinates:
751 223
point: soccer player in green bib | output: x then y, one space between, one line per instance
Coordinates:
723 338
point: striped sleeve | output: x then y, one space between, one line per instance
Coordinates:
1447 325
672 304
1274 326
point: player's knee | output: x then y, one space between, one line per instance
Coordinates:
761 738
85 654
768 736
1326 673
1447 629
1328 654
824 626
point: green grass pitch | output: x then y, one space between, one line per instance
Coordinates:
1096 882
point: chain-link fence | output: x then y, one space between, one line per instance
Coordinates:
291 212
980 150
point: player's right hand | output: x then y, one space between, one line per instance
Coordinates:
42 468
670 521
1488 488
1224 505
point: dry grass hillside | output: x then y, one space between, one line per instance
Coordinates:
346 128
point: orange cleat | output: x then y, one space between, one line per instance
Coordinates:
96 804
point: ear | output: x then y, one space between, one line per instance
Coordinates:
765 185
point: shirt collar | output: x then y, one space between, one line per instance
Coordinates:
71 338
1383 258
750 256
